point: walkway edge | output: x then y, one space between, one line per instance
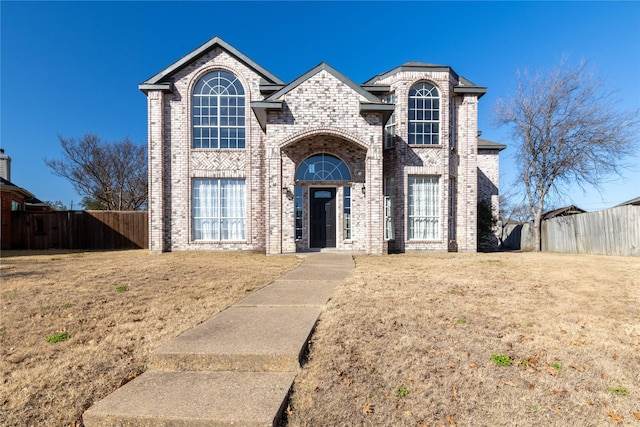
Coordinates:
238 367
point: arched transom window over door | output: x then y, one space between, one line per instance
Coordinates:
323 167
424 114
218 111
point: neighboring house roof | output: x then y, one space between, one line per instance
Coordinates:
161 80
36 204
566 211
12 188
30 201
484 144
464 86
632 202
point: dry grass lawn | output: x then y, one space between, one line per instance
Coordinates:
116 308
408 340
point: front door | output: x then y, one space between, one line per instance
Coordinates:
323 217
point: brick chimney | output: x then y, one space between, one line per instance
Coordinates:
5 165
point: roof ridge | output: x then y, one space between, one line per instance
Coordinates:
201 50
323 66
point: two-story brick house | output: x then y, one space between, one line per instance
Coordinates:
239 159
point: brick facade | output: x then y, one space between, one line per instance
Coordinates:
488 179
320 112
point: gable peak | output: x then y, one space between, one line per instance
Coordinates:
216 41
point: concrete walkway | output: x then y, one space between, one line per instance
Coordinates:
236 368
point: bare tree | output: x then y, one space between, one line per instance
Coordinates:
109 176
514 210
568 129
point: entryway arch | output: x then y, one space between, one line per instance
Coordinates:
326 170
322 174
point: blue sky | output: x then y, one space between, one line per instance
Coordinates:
71 68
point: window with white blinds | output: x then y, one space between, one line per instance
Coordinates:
346 213
389 197
218 209
424 207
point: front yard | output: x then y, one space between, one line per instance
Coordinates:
412 339
115 307
498 339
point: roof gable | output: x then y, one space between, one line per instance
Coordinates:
565 211
161 79
6 185
369 103
464 85
485 144
323 66
411 66
632 202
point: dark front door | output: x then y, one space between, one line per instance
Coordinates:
323 217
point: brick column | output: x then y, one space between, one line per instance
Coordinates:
287 210
467 220
375 201
274 201
155 101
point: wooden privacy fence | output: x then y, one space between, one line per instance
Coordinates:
79 230
614 231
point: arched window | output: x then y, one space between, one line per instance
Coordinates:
323 167
424 114
218 108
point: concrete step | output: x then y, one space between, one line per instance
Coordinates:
287 292
193 399
242 338
236 368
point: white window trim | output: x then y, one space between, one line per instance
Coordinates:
215 214
429 214
390 126
347 218
240 130
412 101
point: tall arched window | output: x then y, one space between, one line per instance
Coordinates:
218 111
323 167
424 114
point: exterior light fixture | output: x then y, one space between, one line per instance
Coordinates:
287 192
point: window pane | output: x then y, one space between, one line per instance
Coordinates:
323 167
218 209
346 215
424 113
389 191
298 208
424 208
218 88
